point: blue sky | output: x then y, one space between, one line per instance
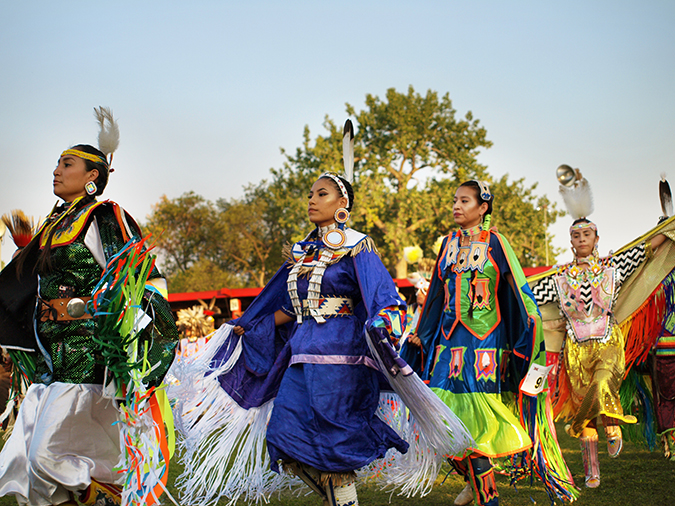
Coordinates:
207 92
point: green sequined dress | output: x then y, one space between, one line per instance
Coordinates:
69 353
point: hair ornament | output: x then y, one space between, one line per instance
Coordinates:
485 193
575 191
341 185
584 224
348 150
665 196
577 196
108 140
109 133
85 155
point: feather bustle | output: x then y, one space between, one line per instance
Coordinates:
20 226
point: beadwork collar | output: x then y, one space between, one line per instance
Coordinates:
469 232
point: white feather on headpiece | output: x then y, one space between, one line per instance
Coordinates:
109 134
348 150
578 198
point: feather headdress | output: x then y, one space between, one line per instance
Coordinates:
576 193
109 134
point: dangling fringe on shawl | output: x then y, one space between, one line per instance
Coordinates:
223 446
433 431
411 473
643 328
544 460
637 399
145 443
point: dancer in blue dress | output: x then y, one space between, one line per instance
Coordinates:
302 373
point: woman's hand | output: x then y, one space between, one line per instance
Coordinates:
413 339
239 330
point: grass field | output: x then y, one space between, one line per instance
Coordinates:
637 478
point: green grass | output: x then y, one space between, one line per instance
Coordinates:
637 477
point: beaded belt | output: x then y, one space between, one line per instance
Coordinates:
331 306
63 310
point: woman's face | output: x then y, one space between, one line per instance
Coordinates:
70 176
466 210
324 200
583 241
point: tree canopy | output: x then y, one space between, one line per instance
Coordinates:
411 154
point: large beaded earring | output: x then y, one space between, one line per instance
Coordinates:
90 187
341 216
336 237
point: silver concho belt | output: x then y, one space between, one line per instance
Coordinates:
63 310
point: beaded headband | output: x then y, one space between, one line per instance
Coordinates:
343 188
86 156
582 225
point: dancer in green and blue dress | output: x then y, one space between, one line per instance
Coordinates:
479 334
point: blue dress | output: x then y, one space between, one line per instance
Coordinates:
325 384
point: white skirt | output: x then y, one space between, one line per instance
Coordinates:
64 435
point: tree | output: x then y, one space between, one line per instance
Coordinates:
253 245
206 246
411 153
186 230
202 276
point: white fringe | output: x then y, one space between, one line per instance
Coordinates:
412 473
224 450
223 446
431 429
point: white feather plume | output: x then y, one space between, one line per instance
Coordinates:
665 196
348 150
578 199
109 134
